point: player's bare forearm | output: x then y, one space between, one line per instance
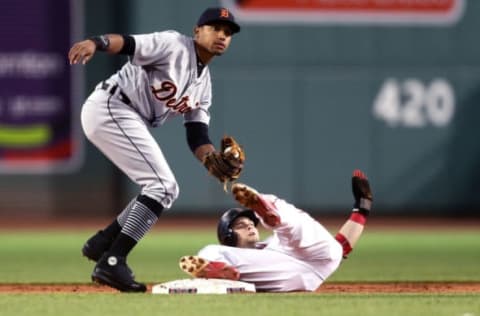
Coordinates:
116 43
83 51
203 150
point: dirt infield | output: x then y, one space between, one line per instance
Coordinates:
331 287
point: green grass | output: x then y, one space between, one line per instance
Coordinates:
414 256
54 257
242 304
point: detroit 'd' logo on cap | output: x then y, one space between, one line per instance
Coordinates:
224 13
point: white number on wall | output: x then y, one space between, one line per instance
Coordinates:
412 103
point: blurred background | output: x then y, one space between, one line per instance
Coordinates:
312 89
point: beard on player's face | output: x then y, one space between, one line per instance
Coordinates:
247 242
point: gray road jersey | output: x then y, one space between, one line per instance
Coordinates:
161 79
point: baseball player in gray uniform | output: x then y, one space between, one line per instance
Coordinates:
299 256
166 76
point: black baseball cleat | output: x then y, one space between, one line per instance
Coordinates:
113 271
96 246
361 192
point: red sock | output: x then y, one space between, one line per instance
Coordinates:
347 248
358 218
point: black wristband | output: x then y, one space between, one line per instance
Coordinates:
197 135
128 45
101 42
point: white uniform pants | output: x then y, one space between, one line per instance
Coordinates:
123 136
300 255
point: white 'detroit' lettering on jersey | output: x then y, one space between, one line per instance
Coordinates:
166 92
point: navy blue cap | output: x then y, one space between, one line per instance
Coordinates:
212 15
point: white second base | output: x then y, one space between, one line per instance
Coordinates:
202 286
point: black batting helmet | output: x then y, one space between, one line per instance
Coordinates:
225 233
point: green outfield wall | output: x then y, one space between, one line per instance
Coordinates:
396 96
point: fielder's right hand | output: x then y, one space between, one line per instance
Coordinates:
82 52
